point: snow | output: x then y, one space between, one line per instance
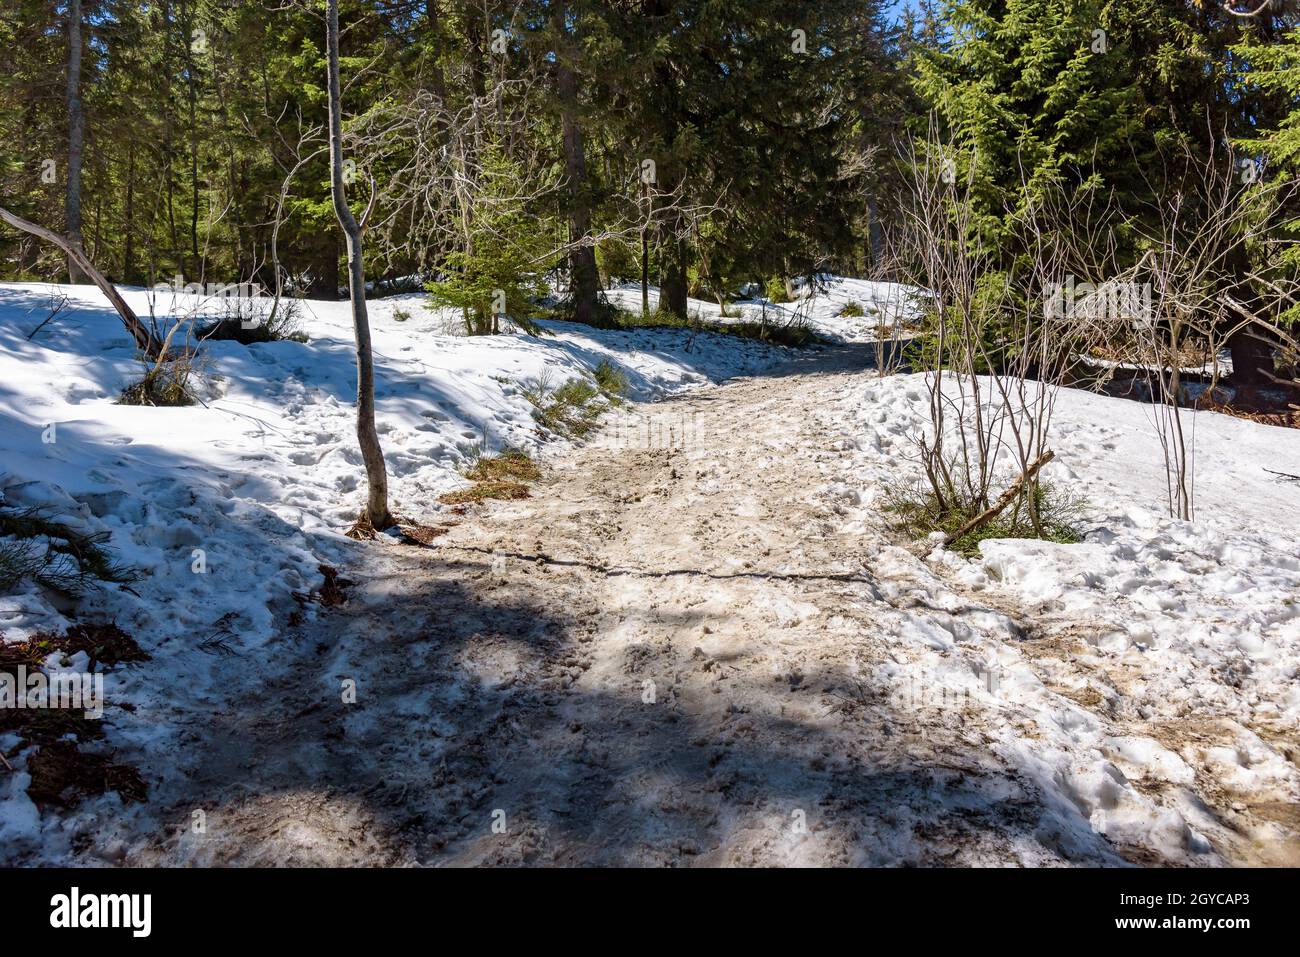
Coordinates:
229 508
1127 679
885 307
1186 632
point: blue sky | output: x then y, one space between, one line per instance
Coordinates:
895 8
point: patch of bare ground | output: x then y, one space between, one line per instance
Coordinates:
65 757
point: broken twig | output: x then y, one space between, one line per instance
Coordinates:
1005 499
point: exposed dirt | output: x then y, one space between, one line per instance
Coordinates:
62 773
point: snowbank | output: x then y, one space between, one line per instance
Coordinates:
1153 654
272 454
884 305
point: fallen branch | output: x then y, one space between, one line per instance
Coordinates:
144 339
1005 499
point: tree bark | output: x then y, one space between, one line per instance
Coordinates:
94 240
437 79
674 251
1251 358
675 256
168 152
645 263
128 255
76 139
187 45
584 279
875 240
145 339
367 436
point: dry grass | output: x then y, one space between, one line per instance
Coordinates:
416 533
507 466
496 476
62 774
501 488
334 590
1286 418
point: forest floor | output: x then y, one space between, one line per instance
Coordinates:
683 649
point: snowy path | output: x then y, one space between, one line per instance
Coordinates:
679 651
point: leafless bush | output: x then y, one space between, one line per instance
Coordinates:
172 379
993 362
248 320
1197 291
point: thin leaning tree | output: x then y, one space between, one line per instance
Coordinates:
376 513
146 339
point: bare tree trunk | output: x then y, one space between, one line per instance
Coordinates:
367 437
99 220
645 262
674 255
437 78
673 292
128 256
1252 359
187 45
76 138
875 239
142 336
583 276
168 170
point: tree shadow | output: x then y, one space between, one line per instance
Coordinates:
478 737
